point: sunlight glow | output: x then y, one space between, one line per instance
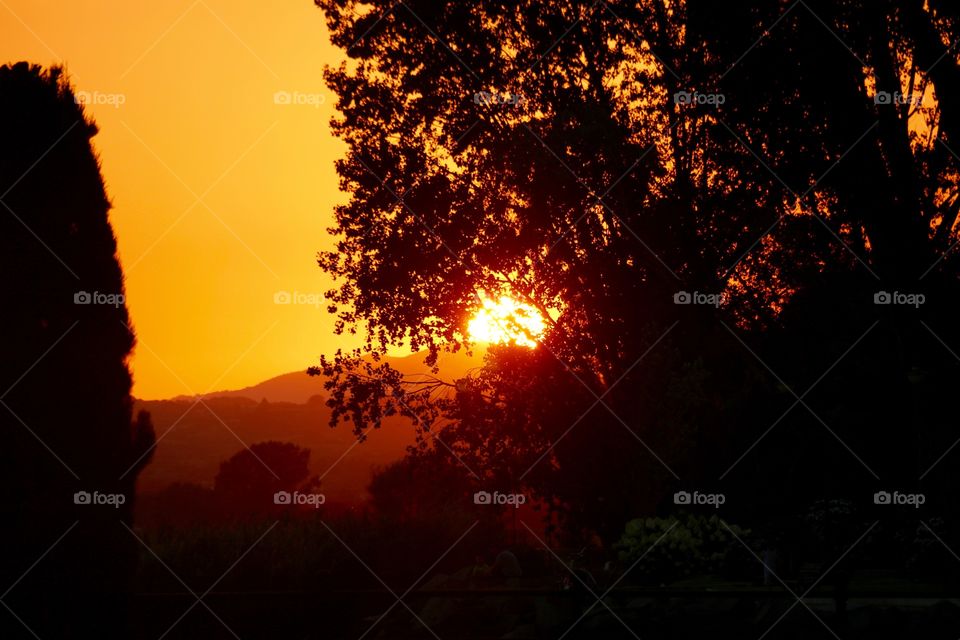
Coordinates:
506 321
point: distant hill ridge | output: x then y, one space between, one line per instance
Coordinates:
194 439
298 387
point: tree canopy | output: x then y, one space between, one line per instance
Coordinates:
792 160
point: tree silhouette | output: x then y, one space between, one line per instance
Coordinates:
66 416
596 160
247 482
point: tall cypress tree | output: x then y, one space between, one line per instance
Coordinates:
66 429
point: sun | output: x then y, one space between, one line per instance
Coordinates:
506 321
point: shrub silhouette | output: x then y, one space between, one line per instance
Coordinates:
66 416
246 483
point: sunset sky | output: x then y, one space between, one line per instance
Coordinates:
221 195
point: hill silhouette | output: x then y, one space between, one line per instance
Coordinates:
298 387
194 437
295 387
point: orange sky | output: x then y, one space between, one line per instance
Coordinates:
197 81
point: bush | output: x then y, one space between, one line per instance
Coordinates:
676 547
